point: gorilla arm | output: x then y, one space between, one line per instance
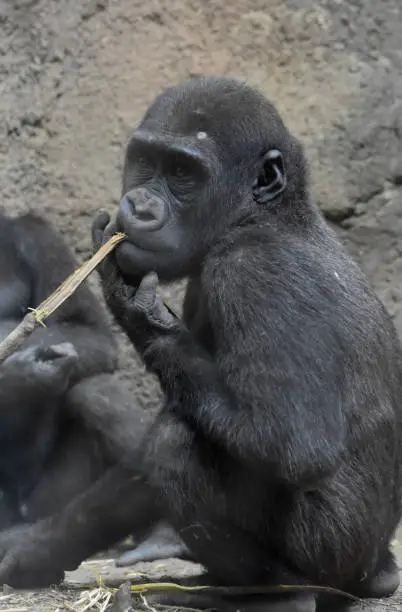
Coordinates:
233 398
81 319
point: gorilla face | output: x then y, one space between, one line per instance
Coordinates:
165 190
195 167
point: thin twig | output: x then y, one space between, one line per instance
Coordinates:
38 315
146 588
166 587
15 339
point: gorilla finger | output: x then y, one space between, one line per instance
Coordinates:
107 269
110 230
99 225
119 296
102 219
162 314
97 239
146 292
109 272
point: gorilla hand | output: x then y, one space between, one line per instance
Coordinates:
140 311
43 369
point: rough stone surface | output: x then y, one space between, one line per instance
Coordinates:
76 76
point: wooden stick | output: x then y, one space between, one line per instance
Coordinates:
38 315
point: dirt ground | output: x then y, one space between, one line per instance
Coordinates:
76 76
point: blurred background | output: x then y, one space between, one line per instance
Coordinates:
75 78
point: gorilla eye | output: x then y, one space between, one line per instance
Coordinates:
179 168
141 168
179 171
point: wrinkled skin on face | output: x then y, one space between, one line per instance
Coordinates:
186 181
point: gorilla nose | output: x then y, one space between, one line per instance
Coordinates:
142 210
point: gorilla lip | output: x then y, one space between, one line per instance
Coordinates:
128 249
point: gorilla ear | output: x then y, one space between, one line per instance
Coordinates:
271 181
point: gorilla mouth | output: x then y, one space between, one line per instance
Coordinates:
132 258
146 246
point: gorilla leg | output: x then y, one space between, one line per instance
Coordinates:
77 462
90 523
384 583
72 467
38 554
231 556
175 485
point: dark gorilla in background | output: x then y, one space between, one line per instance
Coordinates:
48 454
277 455
36 431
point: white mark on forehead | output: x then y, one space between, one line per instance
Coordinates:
201 135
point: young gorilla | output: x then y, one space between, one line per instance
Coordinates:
48 454
278 452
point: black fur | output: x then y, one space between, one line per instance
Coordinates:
52 460
75 344
277 455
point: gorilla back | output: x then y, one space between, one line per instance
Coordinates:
278 453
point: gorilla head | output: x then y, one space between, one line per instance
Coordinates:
197 164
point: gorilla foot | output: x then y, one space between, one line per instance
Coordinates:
383 584
162 543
